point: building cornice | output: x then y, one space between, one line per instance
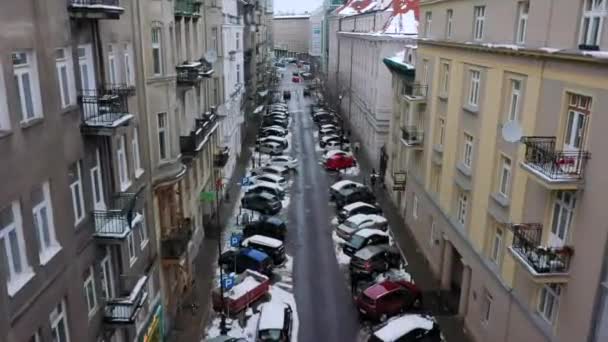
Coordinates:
377 36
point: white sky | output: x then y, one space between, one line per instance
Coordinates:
297 6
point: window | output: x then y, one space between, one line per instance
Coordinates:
415 207
448 25
445 78
136 156
238 73
563 212
59 324
97 182
36 337
26 77
5 123
123 168
428 21
129 69
548 302
106 277
436 179
214 39
43 221
432 232
474 78
131 248
504 183
479 13
496 248
65 76
143 233
75 181
89 290
157 59
467 157
576 125
238 41
522 21
441 135
514 100
594 12
11 236
112 65
425 72
216 94
461 214
162 136
486 306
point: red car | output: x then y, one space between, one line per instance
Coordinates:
388 298
339 161
295 79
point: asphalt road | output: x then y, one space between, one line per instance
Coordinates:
325 306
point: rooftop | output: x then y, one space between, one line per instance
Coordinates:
402 325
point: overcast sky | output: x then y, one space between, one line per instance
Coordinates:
297 6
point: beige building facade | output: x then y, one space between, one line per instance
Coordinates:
292 34
504 183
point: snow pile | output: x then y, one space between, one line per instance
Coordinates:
394 274
596 54
351 171
549 49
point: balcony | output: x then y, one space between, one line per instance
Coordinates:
220 159
95 9
103 111
556 170
187 8
120 89
412 137
191 73
193 143
174 244
122 311
116 221
545 264
414 91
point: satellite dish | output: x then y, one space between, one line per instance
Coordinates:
511 131
211 56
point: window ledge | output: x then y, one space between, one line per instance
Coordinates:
69 109
471 109
19 282
438 148
31 122
501 199
48 254
442 96
139 172
124 187
465 170
5 133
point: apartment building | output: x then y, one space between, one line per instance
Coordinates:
499 131
78 257
292 35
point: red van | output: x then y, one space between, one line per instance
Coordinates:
388 298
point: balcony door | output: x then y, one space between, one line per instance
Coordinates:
88 84
574 133
563 212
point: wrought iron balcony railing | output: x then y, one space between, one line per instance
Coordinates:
415 90
174 244
116 220
551 164
104 108
120 89
540 260
123 310
220 159
95 9
187 8
412 135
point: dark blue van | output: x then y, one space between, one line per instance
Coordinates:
246 258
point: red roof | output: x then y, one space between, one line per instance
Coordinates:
403 6
380 289
357 5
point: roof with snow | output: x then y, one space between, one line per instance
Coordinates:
400 326
273 316
397 64
402 21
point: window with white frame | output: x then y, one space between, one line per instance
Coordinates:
479 15
97 183
163 139
65 76
238 41
238 73
131 247
59 323
523 7
461 213
143 233
448 24
594 13
486 307
106 277
563 213
474 80
129 68
26 76
157 58
112 65
504 181
425 72
136 156
5 122
75 181
123 167
89 290
548 301
432 232
497 245
445 78
441 131
428 22
19 271
467 155
514 100
415 207
214 39
42 211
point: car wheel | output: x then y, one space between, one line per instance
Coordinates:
383 318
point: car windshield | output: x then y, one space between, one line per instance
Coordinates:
270 335
351 224
357 241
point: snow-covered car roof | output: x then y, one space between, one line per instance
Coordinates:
274 128
266 184
360 218
356 205
369 251
282 158
274 177
263 240
272 316
329 154
402 325
277 168
271 143
367 232
273 138
339 185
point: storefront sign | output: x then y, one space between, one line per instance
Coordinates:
154 331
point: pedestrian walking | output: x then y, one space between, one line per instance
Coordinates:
372 178
356 146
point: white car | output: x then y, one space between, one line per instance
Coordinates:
273 138
361 221
336 145
270 178
331 153
278 170
276 320
409 327
271 148
285 161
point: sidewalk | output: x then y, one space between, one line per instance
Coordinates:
190 326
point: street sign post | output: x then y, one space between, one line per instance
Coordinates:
235 239
227 282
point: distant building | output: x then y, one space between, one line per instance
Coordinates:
292 35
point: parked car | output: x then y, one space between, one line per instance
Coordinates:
357 222
337 145
278 113
295 79
317 117
374 259
354 195
272 131
357 208
408 328
271 188
328 132
341 186
286 94
323 140
271 169
264 203
270 147
269 178
329 154
388 298
276 322
279 140
285 161
295 73
270 226
222 338
275 122
273 247
339 162
279 106
250 286
306 92
247 258
364 238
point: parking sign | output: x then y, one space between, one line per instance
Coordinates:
228 282
235 239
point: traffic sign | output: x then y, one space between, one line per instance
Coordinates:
228 282
235 239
